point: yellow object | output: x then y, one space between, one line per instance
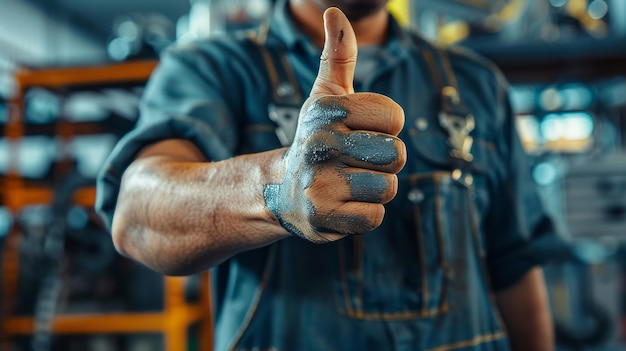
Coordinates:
511 12
453 32
456 31
401 10
578 9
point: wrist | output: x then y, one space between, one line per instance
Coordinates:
272 169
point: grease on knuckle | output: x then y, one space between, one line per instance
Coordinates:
323 111
372 148
321 146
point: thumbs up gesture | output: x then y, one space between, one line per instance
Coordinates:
342 165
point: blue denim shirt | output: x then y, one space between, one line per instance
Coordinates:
424 279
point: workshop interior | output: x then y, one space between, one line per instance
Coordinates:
72 74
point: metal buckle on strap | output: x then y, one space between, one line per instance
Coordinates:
286 119
284 109
455 119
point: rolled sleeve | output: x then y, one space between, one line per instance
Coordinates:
519 234
182 101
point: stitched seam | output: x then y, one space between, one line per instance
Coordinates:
473 217
271 70
422 251
256 299
482 258
442 248
358 253
434 70
473 342
344 280
433 312
447 69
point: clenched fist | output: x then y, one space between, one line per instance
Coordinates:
342 165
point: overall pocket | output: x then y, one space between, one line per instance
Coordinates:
429 248
406 268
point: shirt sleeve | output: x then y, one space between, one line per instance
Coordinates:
519 233
183 100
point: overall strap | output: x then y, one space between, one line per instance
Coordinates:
287 97
456 119
454 116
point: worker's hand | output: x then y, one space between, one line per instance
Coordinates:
342 165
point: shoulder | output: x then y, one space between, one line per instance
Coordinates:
222 48
227 60
475 67
465 62
480 81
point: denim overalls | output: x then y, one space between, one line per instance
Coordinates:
466 220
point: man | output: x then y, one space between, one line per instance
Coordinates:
313 253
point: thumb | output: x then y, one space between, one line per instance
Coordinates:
338 60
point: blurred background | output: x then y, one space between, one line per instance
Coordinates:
71 75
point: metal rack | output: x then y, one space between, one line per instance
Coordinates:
585 59
177 315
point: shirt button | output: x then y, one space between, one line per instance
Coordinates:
457 174
421 124
416 196
452 94
284 89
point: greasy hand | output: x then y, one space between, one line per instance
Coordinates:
342 165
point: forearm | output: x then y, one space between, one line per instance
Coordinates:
182 217
178 215
526 313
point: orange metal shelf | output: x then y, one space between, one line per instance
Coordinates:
114 323
22 197
17 193
135 71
